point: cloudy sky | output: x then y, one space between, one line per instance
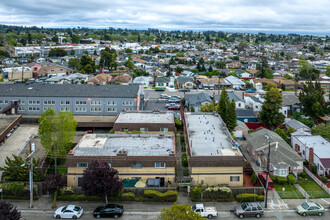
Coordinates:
241 15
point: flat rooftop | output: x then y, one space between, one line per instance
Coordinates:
5 121
321 146
133 144
208 136
145 117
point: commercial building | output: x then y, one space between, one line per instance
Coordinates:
213 155
135 156
33 99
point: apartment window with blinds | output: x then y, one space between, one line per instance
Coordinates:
80 102
234 179
82 165
96 109
96 102
65 102
127 103
143 129
160 165
64 109
163 129
34 102
112 102
49 102
34 109
112 109
81 109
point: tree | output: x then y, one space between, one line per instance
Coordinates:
223 104
100 179
209 107
72 52
210 68
220 64
87 64
307 71
56 132
270 114
74 63
8 211
53 183
57 52
327 72
75 39
231 116
179 212
4 53
129 64
323 130
17 169
178 69
108 58
55 39
312 100
139 72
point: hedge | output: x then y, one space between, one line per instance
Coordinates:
313 167
303 174
78 197
253 178
324 179
273 178
184 160
281 180
291 179
249 197
169 196
17 189
129 196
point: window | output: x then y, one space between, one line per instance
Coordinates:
61 69
163 129
0 101
19 102
79 181
21 109
82 165
112 109
34 102
64 109
96 109
5 102
96 102
160 165
123 129
234 179
49 107
239 104
34 108
65 102
283 172
136 165
49 102
127 103
81 109
112 102
80 102
144 129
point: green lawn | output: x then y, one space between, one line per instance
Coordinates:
313 189
291 192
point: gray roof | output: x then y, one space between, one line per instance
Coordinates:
290 100
284 156
163 79
184 79
232 96
193 99
246 113
292 123
68 90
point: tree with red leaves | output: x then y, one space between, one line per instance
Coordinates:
8 211
53 183
100 179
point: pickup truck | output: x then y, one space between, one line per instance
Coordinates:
206 212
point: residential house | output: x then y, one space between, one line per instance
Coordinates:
135 156
162 82
123 79
292 103
286 84
101 79
18 73
142 80
212 153
235 82
283 159
243 74
145 122
54 70
239 102
195 101
241 130
246 115
296 125
185 82
315 149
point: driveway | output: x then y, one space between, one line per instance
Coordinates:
14 143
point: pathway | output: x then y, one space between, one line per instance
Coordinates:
302 191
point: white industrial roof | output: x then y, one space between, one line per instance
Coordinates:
321 146
133 144
208 136
145 117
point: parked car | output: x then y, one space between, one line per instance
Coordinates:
165 96
250 91
176 96
109 210
249 209
69 211
175 107
185 90
170 104
206 212
160 89
263 177
310 208
173 100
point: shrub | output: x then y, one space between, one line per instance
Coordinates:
217 192
324 179
249 197
253 178
273 178
281 180
178 124
291 179
196 193
184 160
306 163
169 196
313 167
129 196
67 190
300 179
303 174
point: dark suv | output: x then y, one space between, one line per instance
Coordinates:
109 211
249 209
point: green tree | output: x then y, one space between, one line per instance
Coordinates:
87 64
223 105
323 130
57 52
4 53
75 39
307 71
72 52
220 64
270 114
88 68
129 64
327 72
231 116
282 133
179 212
312 100
56 133
74 63
55 39
209 107
108 58
178 69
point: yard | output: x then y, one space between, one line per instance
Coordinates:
290 192
313 189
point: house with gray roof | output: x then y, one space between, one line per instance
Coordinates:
283 159
197 100
163 82
292 103
239 102
33 99
246 115
296 125
185 82
235 82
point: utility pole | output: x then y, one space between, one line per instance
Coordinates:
30 163
268 164
22 71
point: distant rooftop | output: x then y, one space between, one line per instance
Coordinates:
321 146
133 144
208 136
145 117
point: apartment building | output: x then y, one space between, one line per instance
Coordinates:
213 155
135 156
33 99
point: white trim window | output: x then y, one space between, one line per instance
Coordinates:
144 129
127 103
20 108
80 102
34 109
136 165
48 107
123 129
283 172
81 109
21 102
82 164
96 109
34 102
112 109
163 129
49 102
96 102
160 165
112 103
64 109
234 178
65 102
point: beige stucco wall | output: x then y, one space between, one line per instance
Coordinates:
126 173
217 175
17 75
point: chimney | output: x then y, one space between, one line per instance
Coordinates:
296 148
311 155
243 96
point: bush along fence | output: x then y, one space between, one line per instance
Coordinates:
247 197
18 190
212 193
